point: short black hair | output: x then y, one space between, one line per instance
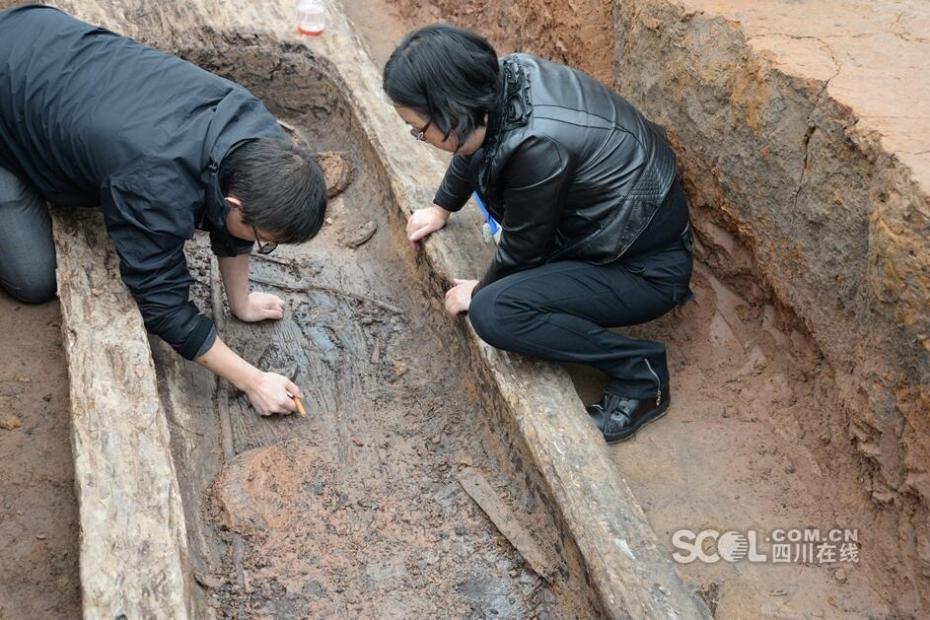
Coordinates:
446 74
280 185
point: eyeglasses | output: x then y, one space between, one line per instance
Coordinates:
264 247
418 134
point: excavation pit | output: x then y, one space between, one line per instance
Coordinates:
356 508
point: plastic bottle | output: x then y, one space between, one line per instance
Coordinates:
311 17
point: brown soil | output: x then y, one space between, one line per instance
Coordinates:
754 440
354 510
576 33
38 509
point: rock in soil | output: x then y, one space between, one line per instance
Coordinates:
337 169
10 422
357 237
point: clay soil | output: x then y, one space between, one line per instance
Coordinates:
355 510
754 441
38 509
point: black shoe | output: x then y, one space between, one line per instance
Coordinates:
618 418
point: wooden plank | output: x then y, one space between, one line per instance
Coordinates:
134 557
506 523
188 396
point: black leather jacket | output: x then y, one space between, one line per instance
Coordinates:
569 168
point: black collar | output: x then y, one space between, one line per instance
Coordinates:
513 106
511 109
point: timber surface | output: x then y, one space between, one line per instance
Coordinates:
133 541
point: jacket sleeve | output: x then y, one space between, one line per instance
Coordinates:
457 184
536 179
150 244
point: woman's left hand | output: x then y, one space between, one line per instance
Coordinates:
458 298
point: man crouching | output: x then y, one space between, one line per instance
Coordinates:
89 118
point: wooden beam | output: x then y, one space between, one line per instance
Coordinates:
507 523
134 558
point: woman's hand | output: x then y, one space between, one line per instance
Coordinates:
260 306
426 221
458 298
272 393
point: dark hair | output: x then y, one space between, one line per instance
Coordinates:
281 188
446 74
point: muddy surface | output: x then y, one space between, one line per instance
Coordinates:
354 510
38 508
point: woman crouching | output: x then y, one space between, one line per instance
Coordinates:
594 220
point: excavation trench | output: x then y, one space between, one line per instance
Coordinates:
355 509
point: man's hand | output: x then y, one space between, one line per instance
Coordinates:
260 306
267 391
426 221
458 298
271 393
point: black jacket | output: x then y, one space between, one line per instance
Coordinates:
569 168
93 118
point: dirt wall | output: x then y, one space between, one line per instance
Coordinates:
578 33
831 221
792 200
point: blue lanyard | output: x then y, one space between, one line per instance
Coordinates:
493 226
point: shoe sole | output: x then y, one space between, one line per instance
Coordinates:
655 415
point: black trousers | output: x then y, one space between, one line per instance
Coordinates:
27 252
562 311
